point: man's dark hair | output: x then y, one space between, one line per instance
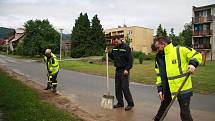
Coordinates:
162 39
154 49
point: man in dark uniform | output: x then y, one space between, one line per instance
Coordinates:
123 60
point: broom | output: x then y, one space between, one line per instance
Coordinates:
168 107
107 100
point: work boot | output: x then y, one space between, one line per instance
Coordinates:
54 89
118 105
129 107
48 87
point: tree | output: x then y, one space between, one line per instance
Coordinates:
174 38
161 32
181 39
164 33
39 35
80 36
187 34
97 37
87 40
127 40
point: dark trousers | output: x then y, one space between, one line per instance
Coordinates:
53 80
184 108
122 87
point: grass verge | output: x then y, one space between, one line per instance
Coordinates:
204 78
142 73
21 103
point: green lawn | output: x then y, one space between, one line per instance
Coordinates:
203 79
20 103
140 72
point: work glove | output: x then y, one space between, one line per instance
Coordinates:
191 68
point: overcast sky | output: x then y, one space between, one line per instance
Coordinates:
62 13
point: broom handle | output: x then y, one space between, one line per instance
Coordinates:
168 107
108 89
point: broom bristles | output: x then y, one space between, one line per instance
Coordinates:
107 102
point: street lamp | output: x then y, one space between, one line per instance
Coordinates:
61 37
7 45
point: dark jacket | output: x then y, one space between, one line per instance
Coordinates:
122 56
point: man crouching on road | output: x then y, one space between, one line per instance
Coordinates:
172 65
52 68
122 57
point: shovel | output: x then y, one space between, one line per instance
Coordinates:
108 99
168 107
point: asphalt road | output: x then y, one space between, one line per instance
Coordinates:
87 91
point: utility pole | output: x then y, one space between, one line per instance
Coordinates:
7 45
61 38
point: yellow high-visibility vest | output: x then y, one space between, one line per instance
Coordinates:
53 67
177 60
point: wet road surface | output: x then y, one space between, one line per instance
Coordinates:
87 90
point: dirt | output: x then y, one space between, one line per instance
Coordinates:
59 100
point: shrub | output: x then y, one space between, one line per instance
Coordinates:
136 54
150 56
141 56
104 57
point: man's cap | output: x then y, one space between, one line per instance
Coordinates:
48 51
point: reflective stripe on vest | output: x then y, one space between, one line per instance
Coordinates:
179 60
179 66
194 54
54 83
123 50
55 66
182 92
178 76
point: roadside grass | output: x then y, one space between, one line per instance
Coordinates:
25 57
20 103
203 79
140 72
86 67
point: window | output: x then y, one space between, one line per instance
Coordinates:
206 26
209 12
130 32
196 13
204 13
196 27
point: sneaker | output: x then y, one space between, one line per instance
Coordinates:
129 107
118 105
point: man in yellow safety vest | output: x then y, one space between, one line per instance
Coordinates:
172 65
52 68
